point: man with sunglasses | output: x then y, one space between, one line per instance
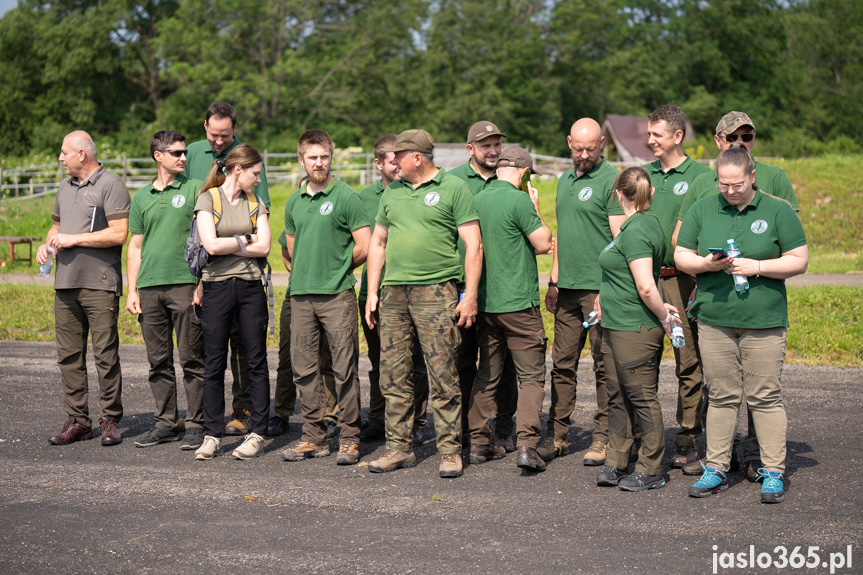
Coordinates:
161 290
220 122
737 129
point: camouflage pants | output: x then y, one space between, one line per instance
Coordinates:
427 311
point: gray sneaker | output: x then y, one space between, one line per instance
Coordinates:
251 447
192 439
156 436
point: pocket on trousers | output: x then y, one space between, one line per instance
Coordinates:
207 329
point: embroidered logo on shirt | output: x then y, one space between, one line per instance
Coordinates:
326 208
178 201
758 227
585 194
680 188
432 198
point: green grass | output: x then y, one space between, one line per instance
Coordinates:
826 322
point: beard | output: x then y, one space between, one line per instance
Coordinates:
488 163
318 178
584 166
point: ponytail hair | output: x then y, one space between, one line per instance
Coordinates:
735 156
243 155
634 184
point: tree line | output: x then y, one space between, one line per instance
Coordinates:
361 68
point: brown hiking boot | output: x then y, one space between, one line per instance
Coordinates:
450 465
349 454
305 449
239 424
505 441
685 454
694 468
392 460
595 454
110 431
549 449
483 453
72 431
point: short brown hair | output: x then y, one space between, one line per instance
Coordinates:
243 155
222 110
382 143
673 116
314 137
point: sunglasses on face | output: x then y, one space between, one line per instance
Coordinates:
743 137
176 153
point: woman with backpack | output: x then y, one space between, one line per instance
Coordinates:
232 224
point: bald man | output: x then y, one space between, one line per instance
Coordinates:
588 219
91 222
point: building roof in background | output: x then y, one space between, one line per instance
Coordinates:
629 136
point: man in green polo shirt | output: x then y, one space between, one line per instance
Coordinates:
419 221
588 218
371 197
672 174
509 316
161 290
220 122
484 147
327 235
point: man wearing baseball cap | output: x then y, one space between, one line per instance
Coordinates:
509 316
484 147
420 218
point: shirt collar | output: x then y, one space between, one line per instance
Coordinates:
326 191
591 174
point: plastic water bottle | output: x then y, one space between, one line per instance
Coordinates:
592 319
741 283
677 337
45 269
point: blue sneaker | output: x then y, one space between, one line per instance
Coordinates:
773 486
712 481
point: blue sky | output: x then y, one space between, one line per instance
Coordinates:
7 5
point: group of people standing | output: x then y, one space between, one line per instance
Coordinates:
449 299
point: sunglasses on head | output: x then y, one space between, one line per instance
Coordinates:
743 137
176 153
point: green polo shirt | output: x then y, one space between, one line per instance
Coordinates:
770 180
422 229
283 241
474 181
165 218
323 244
764 230
371 197
509 281
200 157
583 206
641 236
671 188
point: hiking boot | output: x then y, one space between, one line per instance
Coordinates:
304 450
610 476
417 436
549 449
752 469
251 447
392 460
110 431
72 431
639 481
349 454
192 439
239 424
276 427
529 459
156 436
685 454
483 453
505 441
372 433
210 447
712 481
595 454
774 486
450 465
694 468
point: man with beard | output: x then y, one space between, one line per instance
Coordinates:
327 235
484 147
220 122
588 218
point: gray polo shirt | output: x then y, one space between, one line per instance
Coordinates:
104 195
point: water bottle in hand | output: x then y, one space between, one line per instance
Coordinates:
740 282
45 269
592 319
677 337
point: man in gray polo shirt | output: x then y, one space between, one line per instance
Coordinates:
91 222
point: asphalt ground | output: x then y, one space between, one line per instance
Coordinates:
84 508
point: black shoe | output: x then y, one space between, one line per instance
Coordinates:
277 426
156 436
372 433
529 459
332 429
610 476
193 439
734 467
417 436
639 481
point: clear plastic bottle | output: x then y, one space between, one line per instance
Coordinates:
45 269
592 319
677 337
741 283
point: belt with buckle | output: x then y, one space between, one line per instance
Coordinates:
667 271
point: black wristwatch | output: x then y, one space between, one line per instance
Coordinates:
248 239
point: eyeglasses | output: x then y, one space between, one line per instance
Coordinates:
743 137
736 188
176 153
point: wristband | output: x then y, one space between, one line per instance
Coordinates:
552 284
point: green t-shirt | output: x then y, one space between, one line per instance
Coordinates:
509 281
422 229
323 244
671 188
200 157
770 180
371 197
235 221
165 218
641 236
476 183
764 230
583 206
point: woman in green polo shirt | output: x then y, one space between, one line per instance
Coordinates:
234 230
741 334
631 310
